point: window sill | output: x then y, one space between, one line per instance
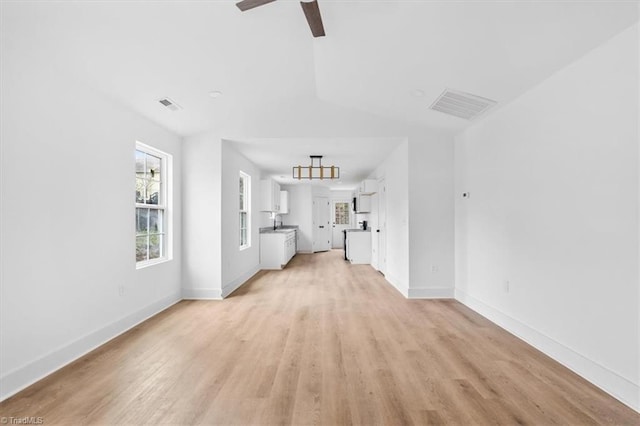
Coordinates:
242 248
147 263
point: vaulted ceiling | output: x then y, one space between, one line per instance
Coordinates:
386 58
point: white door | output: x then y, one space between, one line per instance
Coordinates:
373 225
321 224
381 230
341 212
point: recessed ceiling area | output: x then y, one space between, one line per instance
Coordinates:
356 157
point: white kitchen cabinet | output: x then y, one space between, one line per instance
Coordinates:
363 203
277 248
269 195
368 187
358 247
284 202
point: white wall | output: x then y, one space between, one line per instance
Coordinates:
395 172
553 179
238 265
431 216
67 217
301 214
202 225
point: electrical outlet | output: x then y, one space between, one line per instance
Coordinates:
120 290
506 286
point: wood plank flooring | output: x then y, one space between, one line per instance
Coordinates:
321 342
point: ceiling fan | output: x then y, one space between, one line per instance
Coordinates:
310 9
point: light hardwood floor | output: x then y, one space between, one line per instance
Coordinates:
321 342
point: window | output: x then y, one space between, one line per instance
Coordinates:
151 205
341 213
245 206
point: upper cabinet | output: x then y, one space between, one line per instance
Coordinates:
368 187
269 195
284 202
363 203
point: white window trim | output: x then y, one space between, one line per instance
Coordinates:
167 206
247 209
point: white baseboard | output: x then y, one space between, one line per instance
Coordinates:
201 294
238 282
609 381
397 284
20 378
431 293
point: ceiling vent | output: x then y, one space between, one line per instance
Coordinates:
461 104
170 104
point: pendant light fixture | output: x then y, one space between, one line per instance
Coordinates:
316 171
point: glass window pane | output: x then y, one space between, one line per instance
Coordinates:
155 246
243 237
155 221
153 192
142 224
140 190
140 163
153 168
341 214
242 192
150 229
142 248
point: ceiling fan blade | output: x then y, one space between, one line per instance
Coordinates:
312 12
250 4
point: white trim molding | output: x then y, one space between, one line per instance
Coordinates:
609 381
431 293
239 282
404 290
22 377
201 294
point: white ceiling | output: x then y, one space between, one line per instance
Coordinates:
379 53
374 57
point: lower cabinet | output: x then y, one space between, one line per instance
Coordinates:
359 247
277 249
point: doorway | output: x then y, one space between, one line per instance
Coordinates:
321 222
341 212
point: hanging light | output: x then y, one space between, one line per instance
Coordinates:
316 171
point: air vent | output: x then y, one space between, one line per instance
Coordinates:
170 104
461 104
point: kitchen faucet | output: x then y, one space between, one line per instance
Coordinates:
275 221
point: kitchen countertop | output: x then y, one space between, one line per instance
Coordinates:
358 230
280 230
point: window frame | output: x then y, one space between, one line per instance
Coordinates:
163 207
244 208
